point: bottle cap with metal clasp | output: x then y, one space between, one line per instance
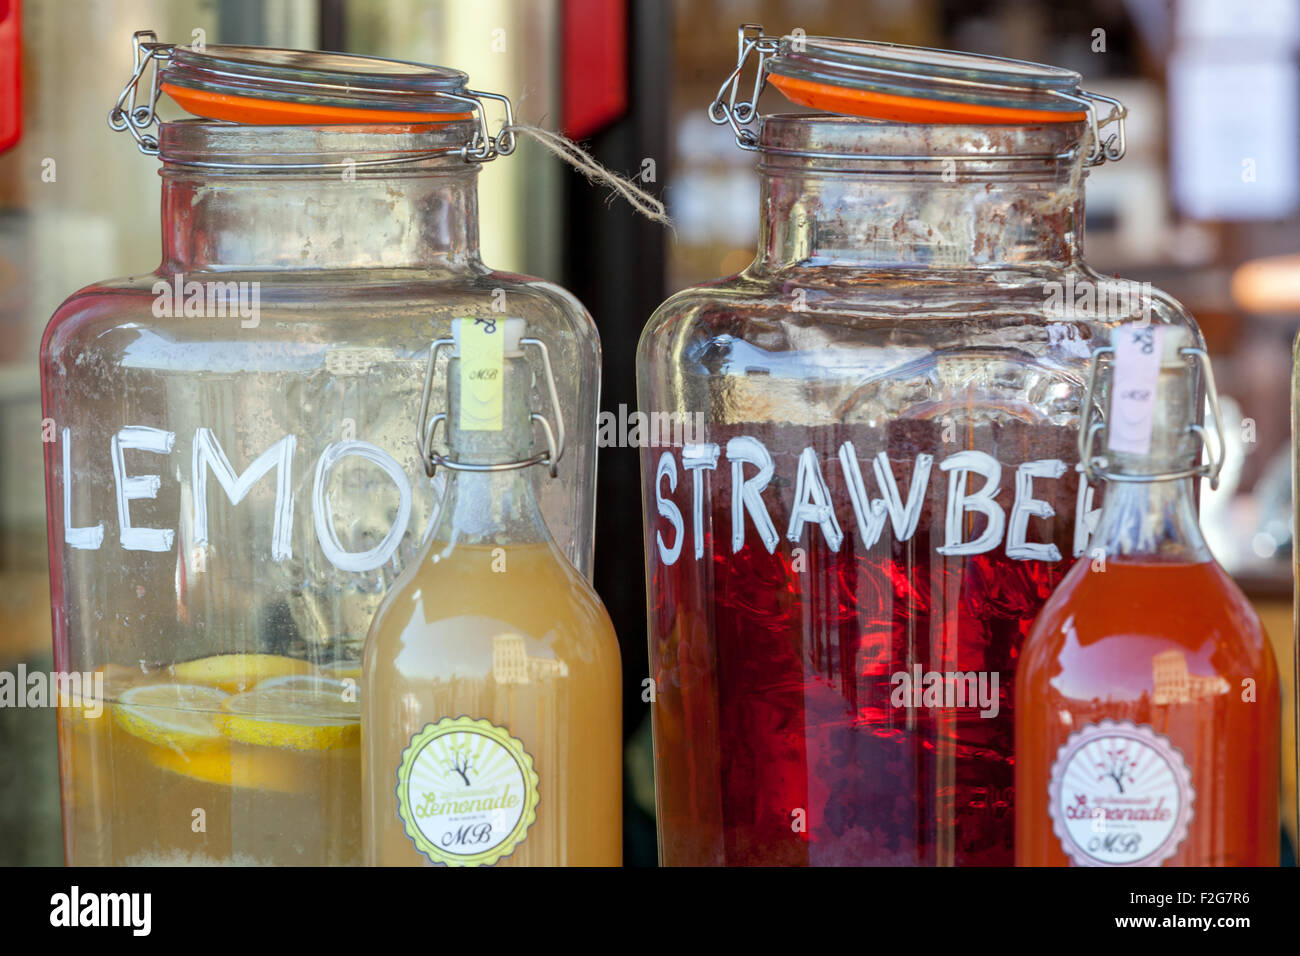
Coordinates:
1136 408
890 81
512 345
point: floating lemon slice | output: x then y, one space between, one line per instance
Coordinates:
239 672
234 767
345 689
341 695
171 716
80 692
342 669
292 718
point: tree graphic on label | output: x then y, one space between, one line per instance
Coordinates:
1120 794
1117 767
461 763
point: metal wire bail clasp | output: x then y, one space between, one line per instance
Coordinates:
484 147
1095 467
725 109
427 425
1104 147
129 113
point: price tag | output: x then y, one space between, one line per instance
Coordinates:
1138 349
481 344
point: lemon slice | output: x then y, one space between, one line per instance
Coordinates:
341 669
171 716
239 672
247 768
346 689
291 718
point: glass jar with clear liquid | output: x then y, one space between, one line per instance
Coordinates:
874 486
232 479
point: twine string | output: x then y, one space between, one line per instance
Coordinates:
577 157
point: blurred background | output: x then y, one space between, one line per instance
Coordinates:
1206 205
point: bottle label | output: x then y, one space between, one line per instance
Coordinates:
1133 388
1120 795
481 344
466 792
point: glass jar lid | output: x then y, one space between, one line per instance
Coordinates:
255 85
264 86
917 84
890 81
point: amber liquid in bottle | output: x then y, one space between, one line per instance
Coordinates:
1147 702
496 661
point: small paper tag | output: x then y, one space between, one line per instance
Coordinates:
1138 349
481 343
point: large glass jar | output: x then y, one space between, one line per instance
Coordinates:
234 481
873 489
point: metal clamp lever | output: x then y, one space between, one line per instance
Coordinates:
1104 148
724 109
128 113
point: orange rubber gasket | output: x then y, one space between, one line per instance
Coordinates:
257 112
838 99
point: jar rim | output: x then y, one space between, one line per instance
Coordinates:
818 136
214 147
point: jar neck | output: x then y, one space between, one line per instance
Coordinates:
421 214
976 197
1154 520
497 508
1157 518
494 508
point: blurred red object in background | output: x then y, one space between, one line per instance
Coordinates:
11 47
595 65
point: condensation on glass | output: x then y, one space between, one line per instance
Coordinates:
235 472
875 482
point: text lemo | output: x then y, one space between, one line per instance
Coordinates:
209 460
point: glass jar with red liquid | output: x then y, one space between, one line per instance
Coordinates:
862 479
1147 698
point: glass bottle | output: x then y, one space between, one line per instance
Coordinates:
865 486
1147 698
492 709
231 486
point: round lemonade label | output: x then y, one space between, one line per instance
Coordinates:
466 792
1120 795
